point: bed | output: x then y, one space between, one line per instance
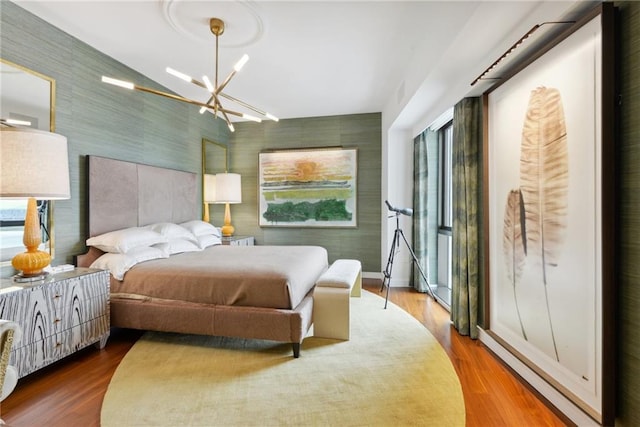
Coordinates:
255 292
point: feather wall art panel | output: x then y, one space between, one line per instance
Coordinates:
544 216
544 172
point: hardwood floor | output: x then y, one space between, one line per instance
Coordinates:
493 395
70 392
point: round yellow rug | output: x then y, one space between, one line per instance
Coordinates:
392 372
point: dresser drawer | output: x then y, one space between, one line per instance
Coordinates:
35 355
81 311
50 311
83 335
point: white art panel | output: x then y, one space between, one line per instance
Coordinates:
544 157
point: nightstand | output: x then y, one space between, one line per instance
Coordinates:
238 241
58 316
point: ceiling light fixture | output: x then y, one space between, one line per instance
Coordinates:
213 104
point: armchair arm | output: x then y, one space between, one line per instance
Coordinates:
9 333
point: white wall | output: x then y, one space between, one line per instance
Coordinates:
397 160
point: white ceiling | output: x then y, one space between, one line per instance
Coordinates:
310 58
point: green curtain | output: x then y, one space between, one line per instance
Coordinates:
425 208
467 181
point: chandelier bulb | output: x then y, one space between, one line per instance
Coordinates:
116 82
208 84
241 62
15 122
179 75
252 118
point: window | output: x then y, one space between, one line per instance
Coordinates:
445 184
435 232
12 212
12 216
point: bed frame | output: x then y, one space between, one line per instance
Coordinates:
125 194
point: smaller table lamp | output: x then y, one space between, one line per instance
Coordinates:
228 190
209 194
33 165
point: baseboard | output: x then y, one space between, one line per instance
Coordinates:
372 275
394 283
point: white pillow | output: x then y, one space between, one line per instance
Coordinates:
201 228
172 231
122 241
118 264
164 247
177 246
208 240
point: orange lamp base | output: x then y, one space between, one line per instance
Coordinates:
205 212
227 229
31 262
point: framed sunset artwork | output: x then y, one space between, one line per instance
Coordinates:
308 188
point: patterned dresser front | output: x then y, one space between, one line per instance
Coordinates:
58 316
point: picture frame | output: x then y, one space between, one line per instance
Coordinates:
550 208
315 187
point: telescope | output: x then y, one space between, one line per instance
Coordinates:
405 211
395 243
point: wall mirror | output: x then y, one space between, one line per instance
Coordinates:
214 160
28 97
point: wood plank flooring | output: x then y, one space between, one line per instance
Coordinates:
70 392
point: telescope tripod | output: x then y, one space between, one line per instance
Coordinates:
387 271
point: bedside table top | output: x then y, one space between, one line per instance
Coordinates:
9 285
233 238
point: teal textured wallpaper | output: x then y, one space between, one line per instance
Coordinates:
628 247
361 131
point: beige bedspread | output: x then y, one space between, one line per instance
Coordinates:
254 276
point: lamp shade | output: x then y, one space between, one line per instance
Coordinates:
228 188
209 188
33 163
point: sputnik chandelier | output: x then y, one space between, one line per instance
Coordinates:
213 104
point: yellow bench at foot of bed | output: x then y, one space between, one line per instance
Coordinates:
331 313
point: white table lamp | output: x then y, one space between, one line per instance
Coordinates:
209 194
228 191
34 164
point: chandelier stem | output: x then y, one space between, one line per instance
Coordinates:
216 86
244 104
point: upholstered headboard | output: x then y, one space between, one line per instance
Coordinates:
125 194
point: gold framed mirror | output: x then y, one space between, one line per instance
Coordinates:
27 99
215 160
